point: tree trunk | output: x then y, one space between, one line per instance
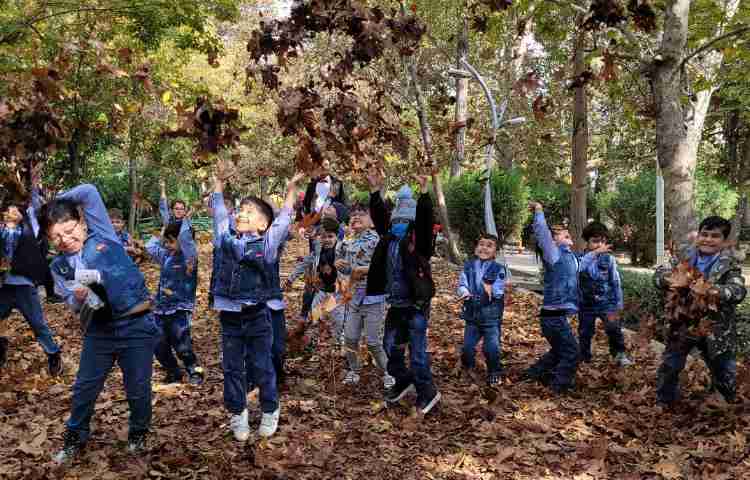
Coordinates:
263 184
462 91
743 177
580 145
134 150
678 128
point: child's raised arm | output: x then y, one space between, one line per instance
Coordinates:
94 210
279 229
163 203
551 252
155 250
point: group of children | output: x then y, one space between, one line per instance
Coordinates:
382 265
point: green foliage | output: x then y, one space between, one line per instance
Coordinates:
554 197
464 196
640 297
714 196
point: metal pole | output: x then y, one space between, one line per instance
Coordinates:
660 260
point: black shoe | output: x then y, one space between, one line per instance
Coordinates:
72 447
493 379
428 401
173 377
54 364
195 376
137 441
3 351
399 391
584 358
54 299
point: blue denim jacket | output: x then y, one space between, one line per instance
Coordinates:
243 273
601 289
479 307
121 279
179 273
560 270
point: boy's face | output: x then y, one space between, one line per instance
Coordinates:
596 242
12 215
486 249
67 236
171 244
329 212
359 220
328 239
562 237
710 241
250 220
179 210
119 224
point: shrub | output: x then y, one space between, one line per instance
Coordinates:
555 197
464 196
640 296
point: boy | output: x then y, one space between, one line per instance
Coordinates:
177 256
179 208
241 289
400 268
601 297
482 287
363 311
557 367
118 222
710 255
24 257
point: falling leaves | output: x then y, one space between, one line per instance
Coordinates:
689 299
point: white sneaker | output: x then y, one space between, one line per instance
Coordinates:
388 381
623 360
351 378
269 423
240 427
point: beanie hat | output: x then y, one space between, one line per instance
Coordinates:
406 206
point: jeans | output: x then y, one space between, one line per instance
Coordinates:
176 328
488 328
723 369
561 361
587 328
370 318
246 339
26 299
130 342
278 347
408 326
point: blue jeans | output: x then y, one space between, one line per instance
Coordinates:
130 342
723 369
408 326
246 338
176 328
278 347
26 299
489 328
559 364
587 328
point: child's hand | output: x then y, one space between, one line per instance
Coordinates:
296 179
422 181
375 179
463 297
692 237
81 293
341 264
487 289
535 207
605 248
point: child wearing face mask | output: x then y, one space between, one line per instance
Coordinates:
481 286
177 256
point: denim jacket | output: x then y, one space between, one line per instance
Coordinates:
480 307
179 273
601 289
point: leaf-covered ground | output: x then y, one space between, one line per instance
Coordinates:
610 427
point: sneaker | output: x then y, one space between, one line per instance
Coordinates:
623 360
388 382
72 446
428 403
195 376
239 426
54 364
584 358
173 377
351 378
493 379
3 351
269 423
137 441
399 391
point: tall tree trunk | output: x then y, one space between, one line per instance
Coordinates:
743 177
263 184
462 93
580 145
679 128
134 150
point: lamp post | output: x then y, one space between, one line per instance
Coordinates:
659 216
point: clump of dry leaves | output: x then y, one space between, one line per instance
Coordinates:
689 299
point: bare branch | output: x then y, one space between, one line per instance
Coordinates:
712 42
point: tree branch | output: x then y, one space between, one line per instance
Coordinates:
714 41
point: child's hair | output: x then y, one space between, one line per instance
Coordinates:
595 229
557 228
359 207
116 214
329 225
489 236
180 201
57 211
263 207
716 223
172 231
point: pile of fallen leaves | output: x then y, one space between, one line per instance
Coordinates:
689 299
609 428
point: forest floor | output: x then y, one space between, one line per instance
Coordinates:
609 427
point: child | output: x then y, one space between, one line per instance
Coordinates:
710 255
241 289
400 268
482 287
177 256
115 312
320 269
557 367
179 208
25 258
118 222
601 297
363 311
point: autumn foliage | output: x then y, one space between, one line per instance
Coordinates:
689 299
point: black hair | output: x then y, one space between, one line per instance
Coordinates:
263 207
359 207
57 211
178 200
172 230
595 229
116 213
489 236
716 223
330 225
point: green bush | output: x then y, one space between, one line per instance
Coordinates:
714 196
555 197
640 296
464 196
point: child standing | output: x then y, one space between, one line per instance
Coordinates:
177 256
482 288
115 309
25 257
364 312
710 255
179 208
601 296
118 222
241 289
